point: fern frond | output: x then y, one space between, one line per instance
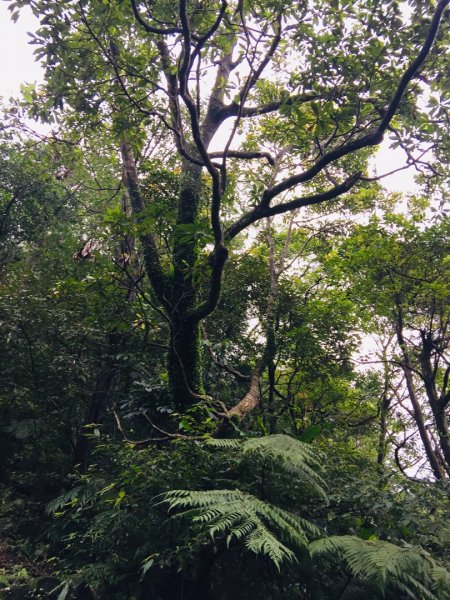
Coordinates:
282 445
188 498
440 578
264 528
416 588
296 457
411 571
241 531
291 528
261 541
224 444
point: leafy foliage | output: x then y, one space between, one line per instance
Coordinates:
386 567
190 412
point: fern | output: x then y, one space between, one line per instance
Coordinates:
263 528
224 444
440 578
384 566
296 457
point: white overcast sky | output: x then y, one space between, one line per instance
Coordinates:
17 65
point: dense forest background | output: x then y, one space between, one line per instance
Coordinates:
225 367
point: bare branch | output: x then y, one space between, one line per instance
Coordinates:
232 110
220 364
149 28
266 211
144 442
245 155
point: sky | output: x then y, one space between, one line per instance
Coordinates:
17 63
17 66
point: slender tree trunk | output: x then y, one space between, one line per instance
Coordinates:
382 444
437 401
384 409
407 367
105 382
436 467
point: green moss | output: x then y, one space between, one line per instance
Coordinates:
185 364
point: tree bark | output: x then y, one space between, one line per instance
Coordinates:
185 357
382 442
185 362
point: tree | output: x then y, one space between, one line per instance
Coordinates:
310 92
400 269
134 347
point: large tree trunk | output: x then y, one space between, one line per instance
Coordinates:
185 357
185 363
177 292
176 289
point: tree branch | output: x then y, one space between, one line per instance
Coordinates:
371 139
245 155
261 211
218 260
220 364
231 110
153 266
149 28
251 399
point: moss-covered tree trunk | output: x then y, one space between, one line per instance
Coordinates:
185 358
176 292
185 364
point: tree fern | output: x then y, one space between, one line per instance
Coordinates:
410 571
263 528
296 457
